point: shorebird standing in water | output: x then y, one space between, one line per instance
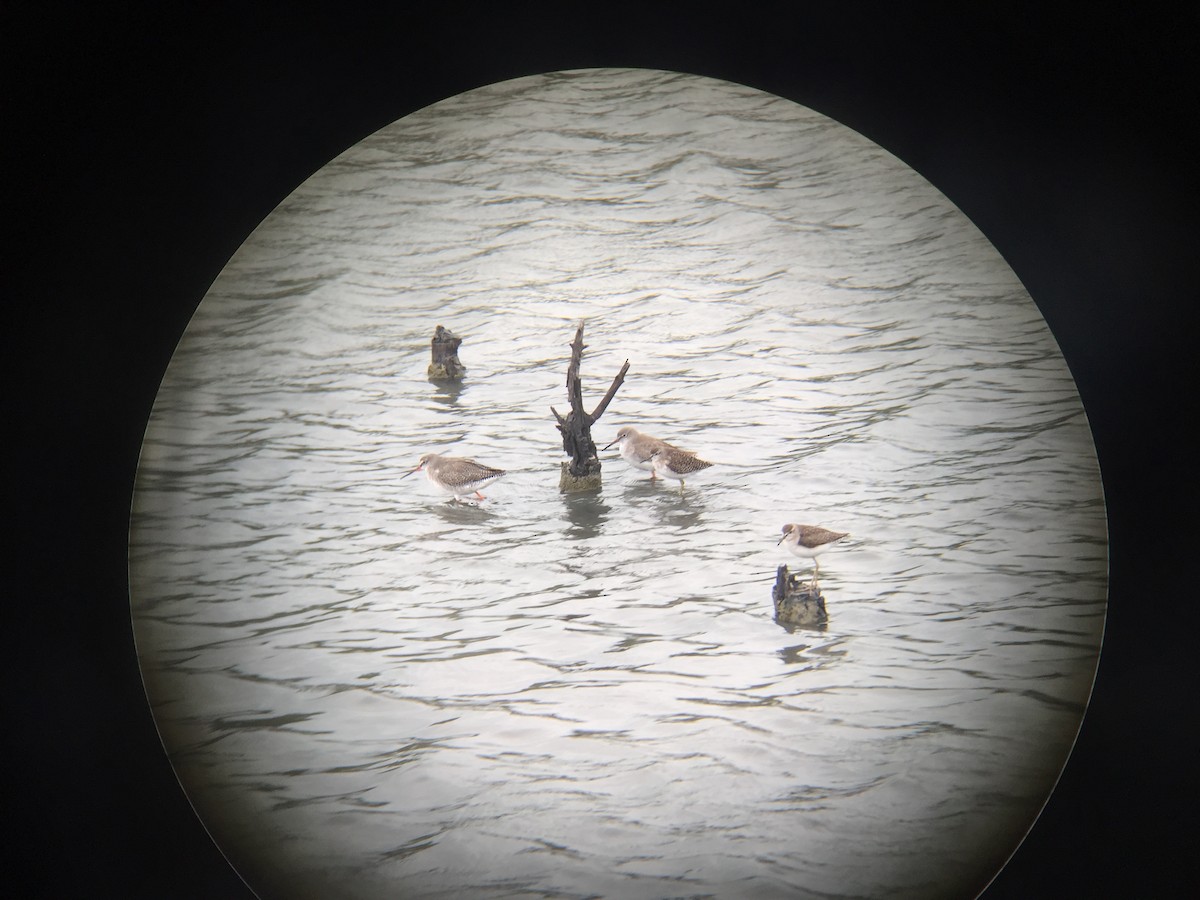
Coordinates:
671 462
809 541
637 448
456 475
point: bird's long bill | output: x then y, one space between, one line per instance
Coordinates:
610 443
410 471
781 540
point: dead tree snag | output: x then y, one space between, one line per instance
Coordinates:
444 365
796 603
582 473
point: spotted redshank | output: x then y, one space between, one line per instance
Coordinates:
809 541
456 475
671 462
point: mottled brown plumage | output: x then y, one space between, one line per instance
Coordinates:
456 475
671 462
810 540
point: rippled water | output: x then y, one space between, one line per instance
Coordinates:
369 691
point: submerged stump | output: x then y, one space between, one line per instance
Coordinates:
444 365
582 473
796 602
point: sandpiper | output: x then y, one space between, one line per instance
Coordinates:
637 448
456 475
671 462
809 541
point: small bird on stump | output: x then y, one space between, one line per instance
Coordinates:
810 541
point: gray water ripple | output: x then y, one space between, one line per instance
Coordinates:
365 687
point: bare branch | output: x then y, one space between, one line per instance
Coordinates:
612 392
576 357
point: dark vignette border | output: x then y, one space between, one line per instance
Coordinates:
144 143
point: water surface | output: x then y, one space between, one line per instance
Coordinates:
368 691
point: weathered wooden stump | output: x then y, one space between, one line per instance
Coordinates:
444 365
582 473
796 602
